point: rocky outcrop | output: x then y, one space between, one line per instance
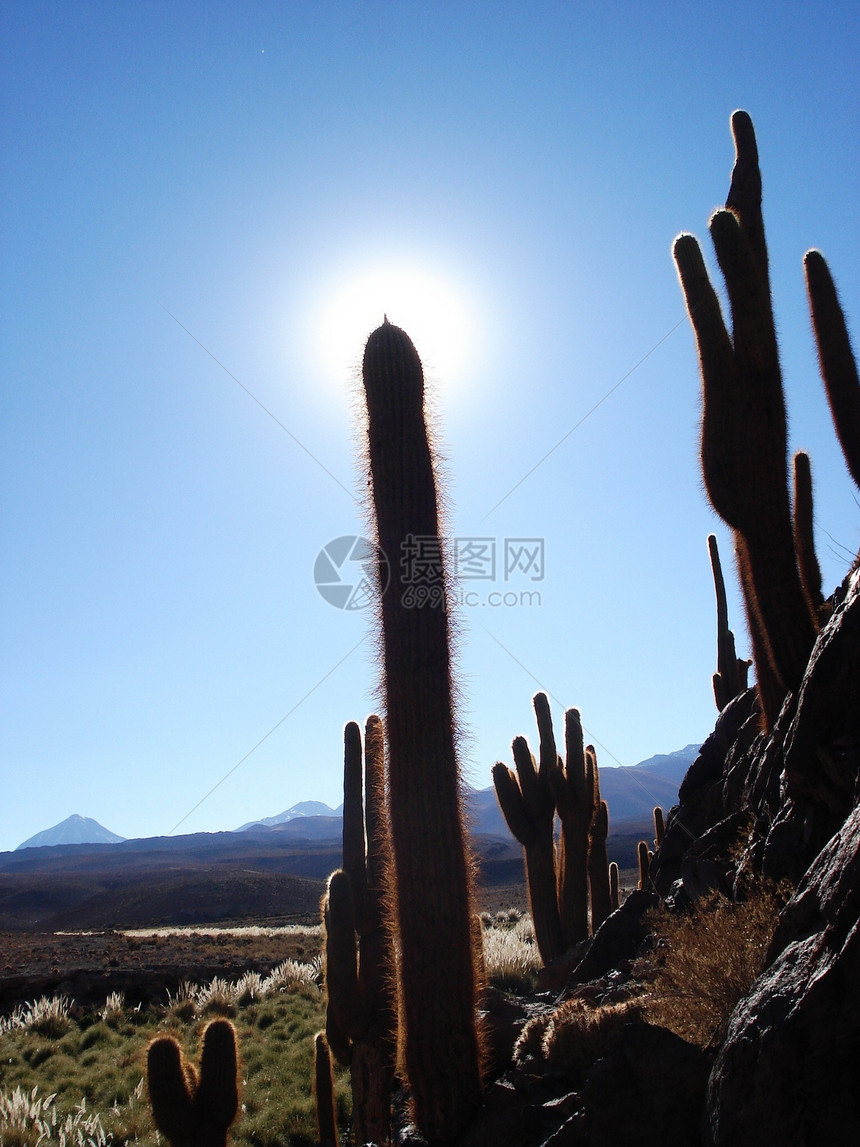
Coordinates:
789 1060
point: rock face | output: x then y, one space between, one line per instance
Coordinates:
789 1060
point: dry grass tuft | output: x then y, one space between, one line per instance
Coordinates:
576 1034
705 961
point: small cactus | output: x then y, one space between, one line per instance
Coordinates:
614 891
195 1108
644 857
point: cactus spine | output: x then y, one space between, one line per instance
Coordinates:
526 800
744 436
436 978
194 1108
360 1018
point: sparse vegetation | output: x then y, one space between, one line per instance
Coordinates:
77 1076
704 961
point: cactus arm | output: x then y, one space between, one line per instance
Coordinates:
731 677
804 534
836 358
169 1093
216 1101
614 895
510 798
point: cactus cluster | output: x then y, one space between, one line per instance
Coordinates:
744 433
569 884
360 1013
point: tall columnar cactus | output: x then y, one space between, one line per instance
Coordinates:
436 976
360 1021
744 436
573 789
526 799
324 1093
643 855
836 359
730 680
195 1108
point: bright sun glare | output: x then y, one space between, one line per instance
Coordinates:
432 311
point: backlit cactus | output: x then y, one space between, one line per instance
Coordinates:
527 802
195 1108
730 680
804 538
836 358
744 436
436 976
568 886
573 789
360 1021
324 1093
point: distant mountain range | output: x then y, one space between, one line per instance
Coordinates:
75 829
272 869
631 793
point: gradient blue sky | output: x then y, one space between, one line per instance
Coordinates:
246 171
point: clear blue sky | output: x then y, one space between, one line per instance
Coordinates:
247 171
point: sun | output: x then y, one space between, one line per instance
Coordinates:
434 312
